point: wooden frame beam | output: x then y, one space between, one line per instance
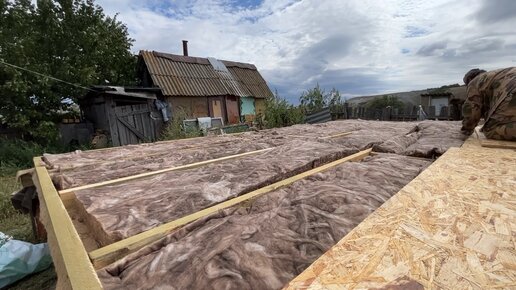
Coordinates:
336 135
110 253
151 173
491 143
67 250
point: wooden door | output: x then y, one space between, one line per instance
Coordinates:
216 106
133 124
233 110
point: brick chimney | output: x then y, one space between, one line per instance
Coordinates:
185 47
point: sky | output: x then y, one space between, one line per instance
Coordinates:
360 47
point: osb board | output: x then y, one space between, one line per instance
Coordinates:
452 227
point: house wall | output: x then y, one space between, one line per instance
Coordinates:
439 102
95 111
259 105
194 107
425 101
247 106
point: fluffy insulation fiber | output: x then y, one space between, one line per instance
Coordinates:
266 242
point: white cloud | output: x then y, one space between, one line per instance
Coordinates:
359 47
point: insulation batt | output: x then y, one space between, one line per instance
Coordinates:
121 210
125 209
266 242
86 167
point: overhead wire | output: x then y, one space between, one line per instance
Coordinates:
46 76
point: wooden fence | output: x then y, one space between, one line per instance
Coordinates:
408 113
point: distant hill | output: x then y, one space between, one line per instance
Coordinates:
413 97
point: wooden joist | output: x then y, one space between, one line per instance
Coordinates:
151 173
450 228
336 135
70 258
115 251
491 143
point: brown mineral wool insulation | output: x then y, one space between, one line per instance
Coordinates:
102 171
428 139
270 240
86 167
124 162
435 138
93 157
121 210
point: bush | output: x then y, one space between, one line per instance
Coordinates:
279 113
174 128
384 102
16 154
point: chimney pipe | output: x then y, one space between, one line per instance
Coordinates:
185 47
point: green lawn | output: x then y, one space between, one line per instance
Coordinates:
18 225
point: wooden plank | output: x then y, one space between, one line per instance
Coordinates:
452 227
131 127
113 123
479 139
72 263
150 173
491 143
108 254
336 135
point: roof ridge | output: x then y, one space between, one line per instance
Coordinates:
198 60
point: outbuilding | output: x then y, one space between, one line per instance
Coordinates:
125 115
205 87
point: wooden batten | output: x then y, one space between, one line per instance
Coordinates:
336 135
452 227
66 192
491 143
108 254
71 260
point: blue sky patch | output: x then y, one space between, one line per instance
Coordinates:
414 31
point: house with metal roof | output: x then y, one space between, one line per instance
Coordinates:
205 87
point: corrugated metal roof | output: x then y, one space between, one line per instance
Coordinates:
179 75
145 93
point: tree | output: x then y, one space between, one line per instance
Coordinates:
279 113
334 97
316 99
384 102
69 40
313 99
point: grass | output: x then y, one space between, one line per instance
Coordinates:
12 222
19 226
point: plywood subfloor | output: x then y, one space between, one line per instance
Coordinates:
453 227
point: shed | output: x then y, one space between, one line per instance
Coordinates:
445 104
437 101
127 115
205 87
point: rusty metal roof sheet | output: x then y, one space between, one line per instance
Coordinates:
179 75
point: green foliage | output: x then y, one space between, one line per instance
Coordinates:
280 113
174 129
16 154
384 102
313 99
316 99
70 40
